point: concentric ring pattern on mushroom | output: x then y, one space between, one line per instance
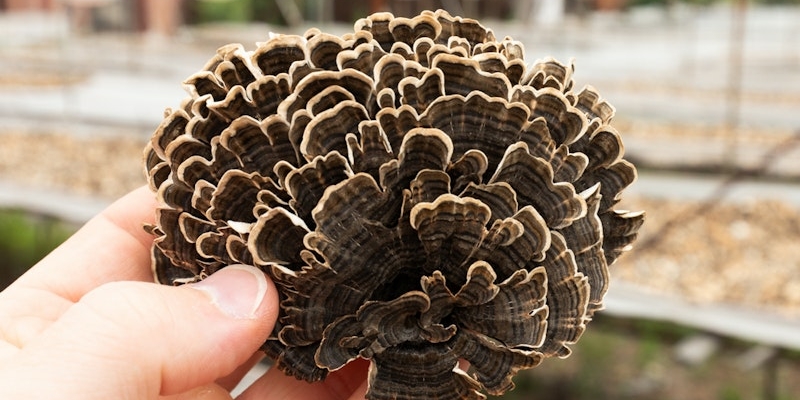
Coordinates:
420 195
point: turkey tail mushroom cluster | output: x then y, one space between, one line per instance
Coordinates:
417 192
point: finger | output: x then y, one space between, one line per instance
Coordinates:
229 382
346 383
207 392
361 392
150 340
112 246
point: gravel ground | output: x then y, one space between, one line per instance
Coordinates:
71 163
706 251
741 253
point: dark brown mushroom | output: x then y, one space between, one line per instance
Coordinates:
419 195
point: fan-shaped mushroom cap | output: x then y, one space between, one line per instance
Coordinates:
418 193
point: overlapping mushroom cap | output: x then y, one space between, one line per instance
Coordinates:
418 193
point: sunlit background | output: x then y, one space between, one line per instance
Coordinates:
707 93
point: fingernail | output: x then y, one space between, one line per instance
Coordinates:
237 290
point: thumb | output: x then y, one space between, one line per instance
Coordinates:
140 340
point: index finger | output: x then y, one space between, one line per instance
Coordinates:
112 246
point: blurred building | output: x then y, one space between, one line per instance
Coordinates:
156 16
21 5
163 17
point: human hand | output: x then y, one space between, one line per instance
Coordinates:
87 322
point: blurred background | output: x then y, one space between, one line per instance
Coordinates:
707 93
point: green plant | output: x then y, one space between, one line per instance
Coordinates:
25 239
729 393
224 10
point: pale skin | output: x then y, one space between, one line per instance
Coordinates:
87 322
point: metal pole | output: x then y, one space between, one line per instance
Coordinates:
733 98
771 379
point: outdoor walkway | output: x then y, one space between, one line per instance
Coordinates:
641 61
